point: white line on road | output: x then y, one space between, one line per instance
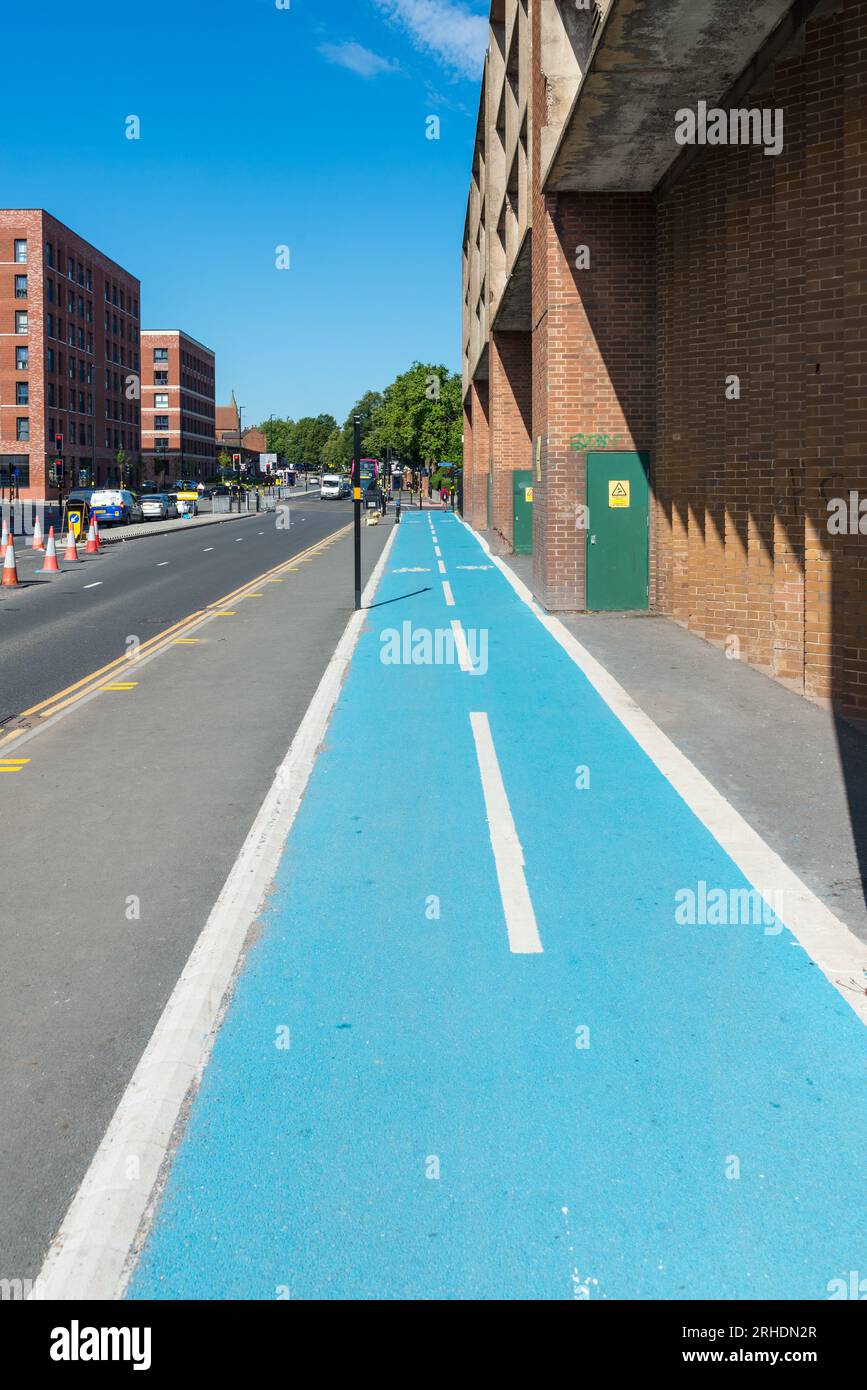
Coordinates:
437 552
206 549
442 567
826 939
447 594
90 1256
93 586
162 564
508 854
465 661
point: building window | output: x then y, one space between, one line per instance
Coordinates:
22 359
161 400
49 289
49 359
70 267
161 422
161 446
22 393
22 322
161 354
50 399
49 254
20 252
22 429
20 286
80 273
161 379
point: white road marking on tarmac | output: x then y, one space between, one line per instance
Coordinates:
162 564
437 552
508 855
465 661
442 567
94 585
89 1257
826 939
206 549
447 594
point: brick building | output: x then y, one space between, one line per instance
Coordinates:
177 406
664 325
69 357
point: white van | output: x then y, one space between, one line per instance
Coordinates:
331 485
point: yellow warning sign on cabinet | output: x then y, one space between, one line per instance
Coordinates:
528 494
618 492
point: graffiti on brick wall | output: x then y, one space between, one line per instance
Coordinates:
595 441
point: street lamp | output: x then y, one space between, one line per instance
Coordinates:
240 454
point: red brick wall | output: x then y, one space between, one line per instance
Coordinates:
594 362
761 273
510 423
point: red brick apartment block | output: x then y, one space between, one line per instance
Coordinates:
177 406
69 358
704 305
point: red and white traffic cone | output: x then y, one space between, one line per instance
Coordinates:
91 548
4 538
10 569
71 552
49 564
96 533
38 542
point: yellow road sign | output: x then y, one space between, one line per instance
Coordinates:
75 523
618 492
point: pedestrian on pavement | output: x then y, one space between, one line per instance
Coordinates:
397 510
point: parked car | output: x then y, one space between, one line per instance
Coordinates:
159 506
115 507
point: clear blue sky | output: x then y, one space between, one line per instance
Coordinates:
262 126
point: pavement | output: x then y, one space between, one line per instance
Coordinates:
488 1040
124 822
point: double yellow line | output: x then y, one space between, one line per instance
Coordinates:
97 680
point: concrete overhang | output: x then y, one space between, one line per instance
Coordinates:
650 58
514 311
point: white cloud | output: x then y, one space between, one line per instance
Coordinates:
357 59
445 28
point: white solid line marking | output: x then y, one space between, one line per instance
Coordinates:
508 854
238 540
825 938
447 594
93 586
89 1257
161 564
206 549
437 552
442 567
465 661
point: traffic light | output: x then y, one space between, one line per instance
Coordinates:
58 443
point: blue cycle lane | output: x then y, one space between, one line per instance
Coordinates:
398 1105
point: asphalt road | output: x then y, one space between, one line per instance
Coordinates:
57 629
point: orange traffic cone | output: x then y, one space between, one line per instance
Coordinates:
4 538
96 533
38 542
49 564
71 552
10 569
91 548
